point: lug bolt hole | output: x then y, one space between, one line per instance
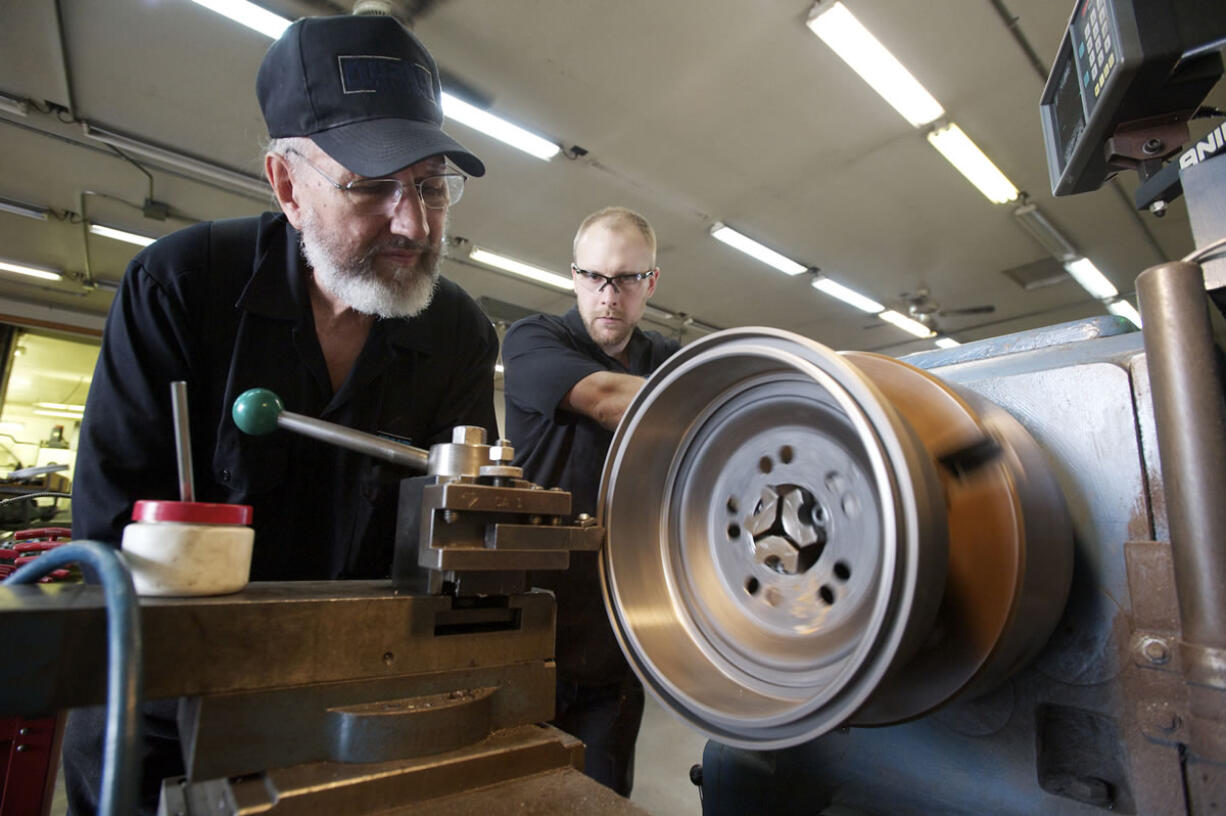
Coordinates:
734 531
826 594
785 454
732 504
765 464
841 570
751 585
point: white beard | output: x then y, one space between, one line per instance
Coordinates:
354 280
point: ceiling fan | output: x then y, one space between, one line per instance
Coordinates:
919 305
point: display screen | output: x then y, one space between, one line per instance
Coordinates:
1069 115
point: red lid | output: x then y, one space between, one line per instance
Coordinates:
191 512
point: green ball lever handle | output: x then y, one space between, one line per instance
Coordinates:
259 411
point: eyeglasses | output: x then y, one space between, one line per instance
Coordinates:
371 196
627 281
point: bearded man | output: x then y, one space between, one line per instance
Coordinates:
335 304
569 379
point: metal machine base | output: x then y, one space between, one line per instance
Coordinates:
524 770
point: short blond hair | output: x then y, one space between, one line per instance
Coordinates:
618 218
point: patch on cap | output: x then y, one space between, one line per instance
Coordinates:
373 74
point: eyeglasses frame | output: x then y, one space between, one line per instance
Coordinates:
612 280
348 187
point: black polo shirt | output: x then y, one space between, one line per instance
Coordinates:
545 356
224 306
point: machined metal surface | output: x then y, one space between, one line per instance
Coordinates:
462 525
1101 719
776 537
527 770
270 635
1190 415
1202 184
370 444
1074 331
360 721
183 444
1010 544
464 455
1191 421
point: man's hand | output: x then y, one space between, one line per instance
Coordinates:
603 396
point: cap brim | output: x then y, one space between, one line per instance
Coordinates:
382 147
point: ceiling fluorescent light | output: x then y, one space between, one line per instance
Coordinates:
40 272
1035 222
753 249
14 105
856 46
656 313
8 205
500 129
907 324
691 323
1093 281
60 406
484 256
1125 310
965 155
947 343
838 290
62 414
121 235
198 168
248 14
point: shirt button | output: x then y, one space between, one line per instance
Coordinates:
225 475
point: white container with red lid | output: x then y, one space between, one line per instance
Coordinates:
178 548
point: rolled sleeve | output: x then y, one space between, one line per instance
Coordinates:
542 365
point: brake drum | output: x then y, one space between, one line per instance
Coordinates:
798 539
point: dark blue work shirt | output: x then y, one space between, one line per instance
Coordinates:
224 306
545 356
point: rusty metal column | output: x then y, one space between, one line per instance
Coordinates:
1191 427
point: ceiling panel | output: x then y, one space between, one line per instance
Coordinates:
690 111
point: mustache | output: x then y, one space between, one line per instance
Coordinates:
400 243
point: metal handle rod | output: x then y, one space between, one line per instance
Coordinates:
1191 426
367 443
183 440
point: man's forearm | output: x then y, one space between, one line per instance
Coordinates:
603 396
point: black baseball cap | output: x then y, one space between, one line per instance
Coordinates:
364 89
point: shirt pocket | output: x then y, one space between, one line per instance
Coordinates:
250 466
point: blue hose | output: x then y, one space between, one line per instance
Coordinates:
120 758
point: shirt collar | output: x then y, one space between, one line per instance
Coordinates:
635 349
278 269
